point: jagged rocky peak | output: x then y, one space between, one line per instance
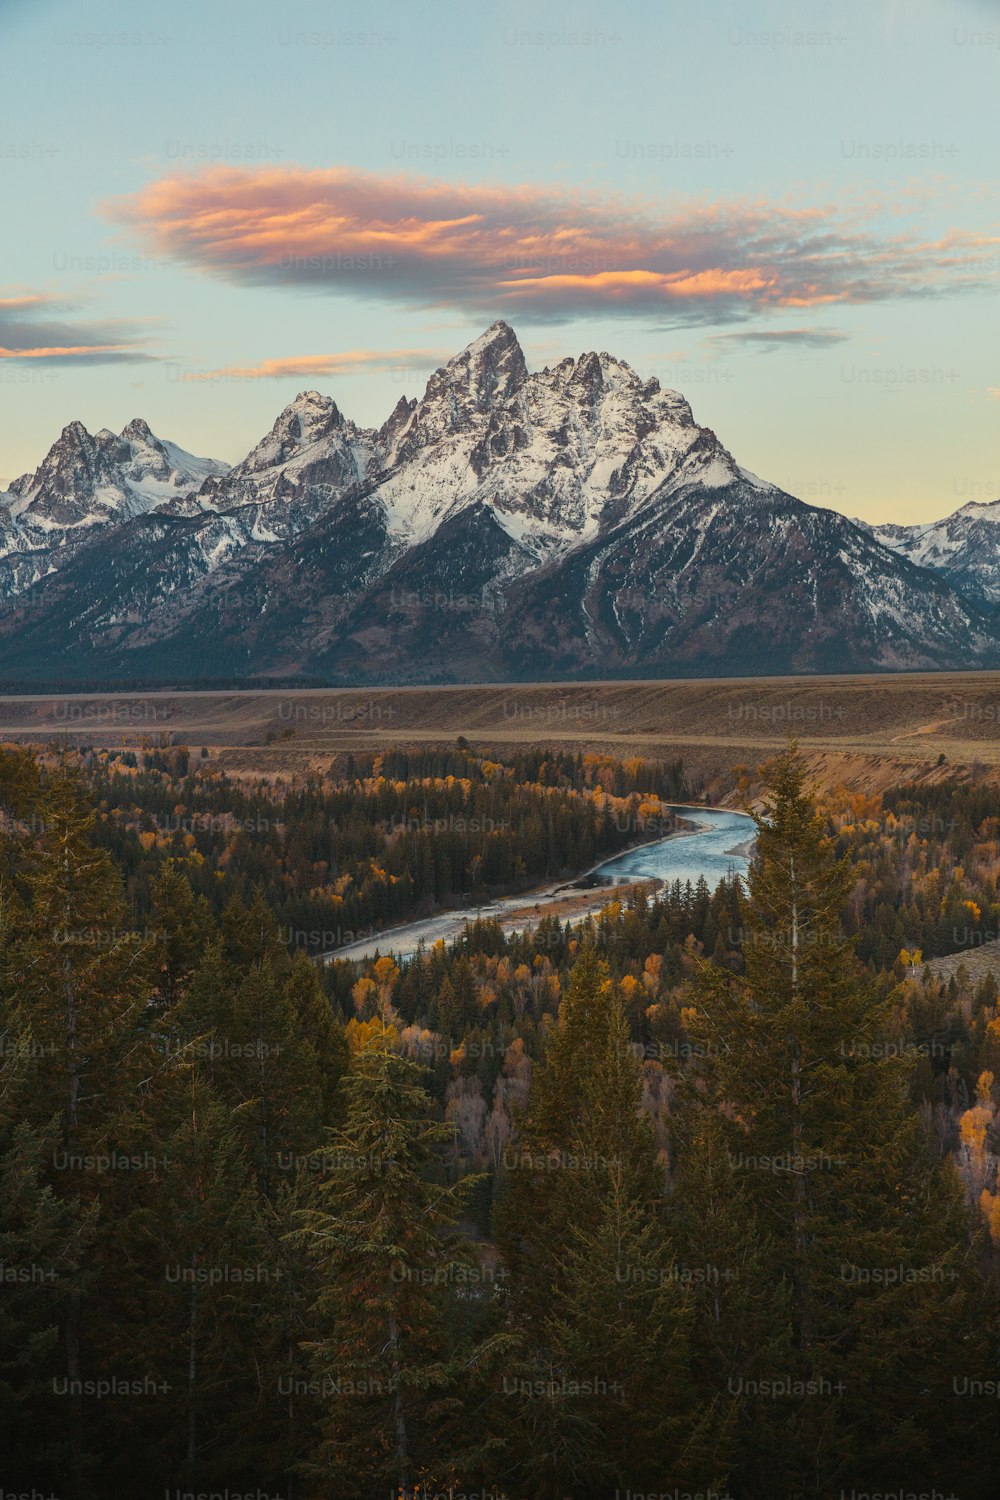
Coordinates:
312 416
73 445
396 422
74 463
605 531
964 547
485 373
597 376
74 434
618 375
87 480
307 420
144 454
980 510
588 373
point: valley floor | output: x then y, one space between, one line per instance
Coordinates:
865 733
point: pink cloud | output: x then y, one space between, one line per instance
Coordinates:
544 253
350 362
34 326
63 351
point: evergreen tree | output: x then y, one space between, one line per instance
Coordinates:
271 1076
317 1024
739 1331
594 1288
44 1242
381 1240
192 1275
182 925
560 1143
864 1233
74 979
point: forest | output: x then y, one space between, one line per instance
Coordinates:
379 838
695 1197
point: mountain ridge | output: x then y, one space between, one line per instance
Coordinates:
964 547
574 521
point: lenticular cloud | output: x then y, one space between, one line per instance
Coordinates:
535 252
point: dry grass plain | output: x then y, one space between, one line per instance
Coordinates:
863 732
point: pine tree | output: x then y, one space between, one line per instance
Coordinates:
182 924
74 979
317 1023
864 1233
739 1329
270 1076
44 1242
594 1285
560 1139
196 1026
193 1275
381 1241
251 936
268 1042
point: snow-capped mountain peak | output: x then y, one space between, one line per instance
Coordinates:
570 520
963 547
306 421
489 369
481 377
88 480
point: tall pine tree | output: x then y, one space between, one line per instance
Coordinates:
381 1239
864 1232
600 1399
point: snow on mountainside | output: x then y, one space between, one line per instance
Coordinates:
87 484
570 521
555 455
964 548
311 455
90 480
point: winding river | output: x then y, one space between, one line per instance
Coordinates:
709 852
716 849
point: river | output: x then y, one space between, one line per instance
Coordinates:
710 851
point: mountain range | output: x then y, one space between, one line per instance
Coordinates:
964 548
568 523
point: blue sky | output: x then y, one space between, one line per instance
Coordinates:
786 211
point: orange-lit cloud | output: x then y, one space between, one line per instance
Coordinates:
57 351
544 253
30 329
350 362
29 299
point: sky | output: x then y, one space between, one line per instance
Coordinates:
787 211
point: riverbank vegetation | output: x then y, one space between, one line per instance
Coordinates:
376 840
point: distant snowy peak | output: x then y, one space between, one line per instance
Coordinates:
486 372
482 377
556 455
310 458
157 470
963 547
87 479
306 421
